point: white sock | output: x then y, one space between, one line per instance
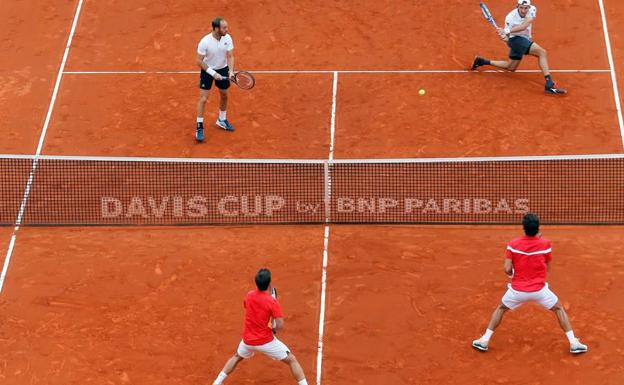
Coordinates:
200 120
220 378
570 336
222 115
303 382
487 335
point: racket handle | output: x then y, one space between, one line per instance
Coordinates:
273 323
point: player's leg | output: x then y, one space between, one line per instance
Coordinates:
510 301
223 104
497 317
229 367
508 65
562 316
542 58
495 320
575 344
205 83
278 351
201 104
550 301
223 86
295 369
518 47
243 352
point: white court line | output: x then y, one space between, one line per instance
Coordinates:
294 72
321 328
7 258
319 355
332 124
616 92
44 130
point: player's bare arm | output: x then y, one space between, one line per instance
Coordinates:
199 60
206 67
521 27
279 324
508 266
504 33
230 62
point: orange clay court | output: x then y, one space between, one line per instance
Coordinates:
396 304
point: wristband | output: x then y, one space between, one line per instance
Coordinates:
211 72
507 31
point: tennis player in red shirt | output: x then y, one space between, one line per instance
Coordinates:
260 307
527 261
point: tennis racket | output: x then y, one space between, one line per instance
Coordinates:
488 15
490 19
274 295
244 80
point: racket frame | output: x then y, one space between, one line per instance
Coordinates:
488 15
273 323
234 80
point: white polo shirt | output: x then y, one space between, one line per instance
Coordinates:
215 51
514 18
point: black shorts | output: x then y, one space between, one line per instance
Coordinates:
205 80
519 46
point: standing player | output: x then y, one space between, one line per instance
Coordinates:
215 58
260 307
517 34
528 260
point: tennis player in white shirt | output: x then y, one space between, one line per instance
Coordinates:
518 35
215 58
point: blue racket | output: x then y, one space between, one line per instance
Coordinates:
488 15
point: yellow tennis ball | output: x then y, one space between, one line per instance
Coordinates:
421 92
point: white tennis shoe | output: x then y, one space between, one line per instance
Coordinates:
480 344
577 347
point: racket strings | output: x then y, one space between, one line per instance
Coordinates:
244 80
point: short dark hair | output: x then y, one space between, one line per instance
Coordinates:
216 22
263 279
531 224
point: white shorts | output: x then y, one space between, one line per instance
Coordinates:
275 349
545 297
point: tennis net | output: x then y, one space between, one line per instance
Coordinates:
58 190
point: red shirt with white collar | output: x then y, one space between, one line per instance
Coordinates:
260 307
529 256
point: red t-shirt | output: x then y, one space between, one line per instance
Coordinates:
529 256
260 306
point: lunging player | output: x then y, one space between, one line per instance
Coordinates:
215 58
260 307
517 34
528 260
